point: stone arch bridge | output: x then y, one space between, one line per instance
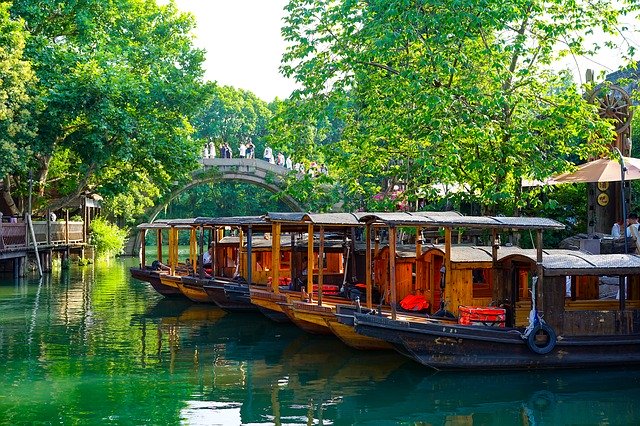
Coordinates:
258 172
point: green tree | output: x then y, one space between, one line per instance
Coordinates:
233 115
118 83
457 92
16 79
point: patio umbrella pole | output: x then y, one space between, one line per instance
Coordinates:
623 287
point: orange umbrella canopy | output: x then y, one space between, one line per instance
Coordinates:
601 170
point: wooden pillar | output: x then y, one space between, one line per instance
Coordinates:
368 266
310 261
392 268
193 250
320 265
159 244
214 257
143 248
48 226
447 263
249 254
275 257
201 253
540 270
418 278
240 245
66 227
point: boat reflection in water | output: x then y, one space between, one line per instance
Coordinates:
244 369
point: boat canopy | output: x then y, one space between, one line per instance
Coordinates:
455 219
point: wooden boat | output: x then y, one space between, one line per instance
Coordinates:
565 326
317 270
153 278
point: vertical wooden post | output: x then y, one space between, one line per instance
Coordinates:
193 251
368 266
66 227
540 286
159 244
249 254
48 227
320 265
201 253
447 263
240 257
392 268
275 257
214 257
418 278
310 261
143 248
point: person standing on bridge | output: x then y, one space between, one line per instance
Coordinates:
268 154
227 150
242 150
212 150
251 149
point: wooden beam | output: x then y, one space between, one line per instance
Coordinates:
310 261
368 267
275 256
392 269
320 265
249 254
159 244
143 248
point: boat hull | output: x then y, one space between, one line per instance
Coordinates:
310 317
216 290
270 304
446 346
192 288
153 278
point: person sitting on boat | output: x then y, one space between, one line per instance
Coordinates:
156 265
207 257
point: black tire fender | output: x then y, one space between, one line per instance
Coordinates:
548 346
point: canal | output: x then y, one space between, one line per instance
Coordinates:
92 346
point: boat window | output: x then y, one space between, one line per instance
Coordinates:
481 282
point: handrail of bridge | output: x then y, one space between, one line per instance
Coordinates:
15 235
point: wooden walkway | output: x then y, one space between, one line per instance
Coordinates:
16 244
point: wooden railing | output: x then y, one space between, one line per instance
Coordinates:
15 235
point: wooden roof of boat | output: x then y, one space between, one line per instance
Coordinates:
455 219
322 219
167 223
240 221
574 262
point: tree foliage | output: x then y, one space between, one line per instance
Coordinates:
118 83
16 80
233 115
461 93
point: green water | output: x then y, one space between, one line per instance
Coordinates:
92 346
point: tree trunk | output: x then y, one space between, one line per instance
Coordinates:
8 198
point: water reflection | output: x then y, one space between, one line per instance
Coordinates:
92 346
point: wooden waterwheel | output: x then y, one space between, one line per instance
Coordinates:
613 103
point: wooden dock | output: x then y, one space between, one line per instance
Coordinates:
51 239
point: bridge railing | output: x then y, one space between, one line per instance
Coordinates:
60 232
15 235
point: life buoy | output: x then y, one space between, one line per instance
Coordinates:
547 345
